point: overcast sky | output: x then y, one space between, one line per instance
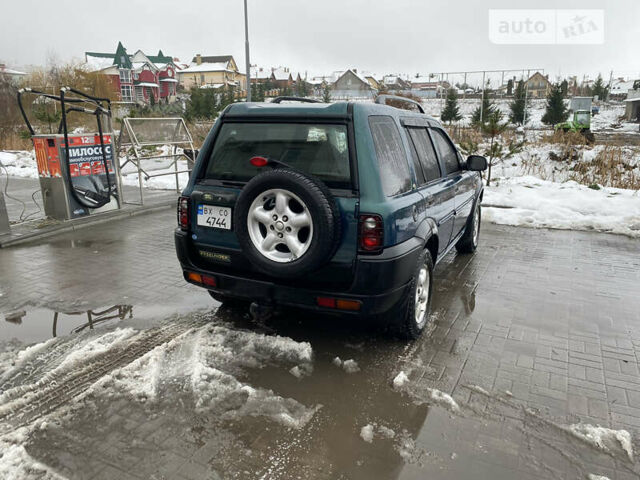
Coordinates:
382 36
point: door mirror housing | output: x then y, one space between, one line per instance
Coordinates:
476 163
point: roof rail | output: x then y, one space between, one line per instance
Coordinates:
294 99
382 100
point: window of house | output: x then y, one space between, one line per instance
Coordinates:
394 169
202 79
426 153
446 151
125 92
125 76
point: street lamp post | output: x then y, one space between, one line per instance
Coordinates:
246 53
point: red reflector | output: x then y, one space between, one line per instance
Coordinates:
210 281
326 302
258 161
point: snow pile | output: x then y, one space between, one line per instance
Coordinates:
19 163
443 399
17 464
400 381
371 430
603 438
529 201
94 347
591 476
207 362
22 163
349 366
427 395
366 433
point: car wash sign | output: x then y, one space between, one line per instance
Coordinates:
85 155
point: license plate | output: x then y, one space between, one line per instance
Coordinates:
214 216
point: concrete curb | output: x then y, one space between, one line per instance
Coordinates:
73 225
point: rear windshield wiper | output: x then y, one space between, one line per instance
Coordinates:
230 183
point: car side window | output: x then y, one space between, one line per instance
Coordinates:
426 153
420 178
394 168
446 151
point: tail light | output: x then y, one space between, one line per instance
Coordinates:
370 233
183 213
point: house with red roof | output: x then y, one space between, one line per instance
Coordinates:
137 78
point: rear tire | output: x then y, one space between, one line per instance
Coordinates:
410 316
469 240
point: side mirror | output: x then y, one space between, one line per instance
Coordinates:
476 163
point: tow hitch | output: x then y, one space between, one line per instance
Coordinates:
261 312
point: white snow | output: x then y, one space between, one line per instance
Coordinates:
19 163
443 399
350 366
529 201
369 431
207 362
17 464
366 433
591 476
603 438
400 380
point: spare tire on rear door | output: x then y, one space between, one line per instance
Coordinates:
287 223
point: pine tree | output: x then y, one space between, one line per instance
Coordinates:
599 88
451 112
564 86
487 109
302 88
519 105
498 150
326 93
556 110
510 87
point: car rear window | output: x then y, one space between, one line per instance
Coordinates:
320 150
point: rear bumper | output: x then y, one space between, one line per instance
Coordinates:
379 282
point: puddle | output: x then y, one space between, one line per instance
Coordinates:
30 325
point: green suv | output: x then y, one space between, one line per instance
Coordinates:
341 208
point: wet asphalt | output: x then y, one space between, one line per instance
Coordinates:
537 331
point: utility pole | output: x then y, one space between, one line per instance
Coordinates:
246 51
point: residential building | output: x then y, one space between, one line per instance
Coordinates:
632 102
13 76
620 88
352 85
395 83
213 71
260 74
137 78
538 86
281 77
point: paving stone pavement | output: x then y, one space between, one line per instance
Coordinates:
547 322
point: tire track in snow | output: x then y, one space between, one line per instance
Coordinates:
28 403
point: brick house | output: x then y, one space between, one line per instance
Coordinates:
213 71
538 86
137 78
